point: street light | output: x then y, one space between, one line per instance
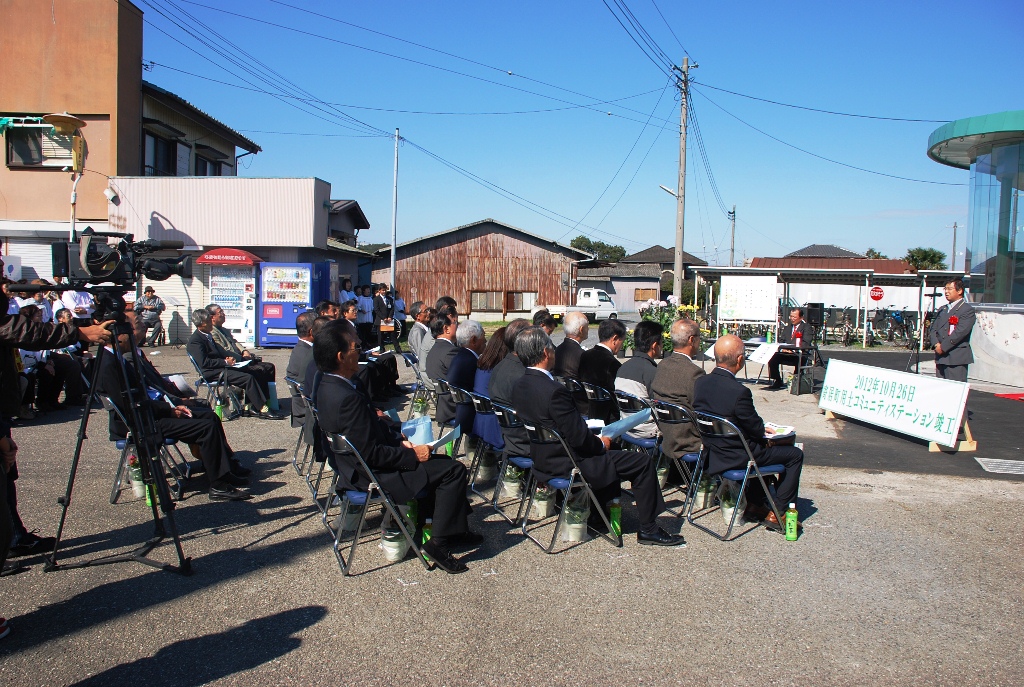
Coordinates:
669 191
69 125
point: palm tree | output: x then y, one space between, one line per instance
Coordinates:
926 258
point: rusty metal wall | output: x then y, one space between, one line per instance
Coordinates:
484 257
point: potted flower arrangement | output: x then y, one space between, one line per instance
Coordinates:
543 503
394 543
704 496
575 515
512 482
488 468
730 497
135 475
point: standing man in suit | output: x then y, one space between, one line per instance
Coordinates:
469 336
439 360
298 361
384 314
404 469
673 382
215 361
950 334
504 377
797 328
539 399
720 393
567 356
599 366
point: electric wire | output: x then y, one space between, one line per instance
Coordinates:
669 26
655 58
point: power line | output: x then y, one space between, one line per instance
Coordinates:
822 157
815 109
654 54
669 26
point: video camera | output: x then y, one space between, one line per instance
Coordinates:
94 260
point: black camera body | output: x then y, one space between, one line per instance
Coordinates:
94 260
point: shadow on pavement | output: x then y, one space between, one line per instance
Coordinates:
188 662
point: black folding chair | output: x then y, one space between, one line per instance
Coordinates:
630 404
420 390
716 427
297 391
666 414
218 388
541 435
508 419
483 407
179 472
373 495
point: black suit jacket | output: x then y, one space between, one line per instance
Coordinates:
298 361
720 393
110 383
956 347
600 366
504 377
788 334
439 361
346 410
383 309
207 354
462 373
567 359
538 399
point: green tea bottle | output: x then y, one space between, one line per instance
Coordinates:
428 525
791 520
615 513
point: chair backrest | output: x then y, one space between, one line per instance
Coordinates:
595 392
540 434
410 359
482 404
716 427
507 417
110 406
670 413
460 396
628 403
572 385
442 386
295 387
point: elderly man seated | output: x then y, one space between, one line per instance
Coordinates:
404 469
263 371
720 393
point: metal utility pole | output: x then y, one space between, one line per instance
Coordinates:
677 267
952 259
394 215
732 239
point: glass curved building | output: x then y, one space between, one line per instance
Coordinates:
992 147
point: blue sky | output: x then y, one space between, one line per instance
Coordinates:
935 61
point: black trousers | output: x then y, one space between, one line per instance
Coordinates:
254 393
792 459
70 370
390 337
6 527
446 496
957 373
209 434
782 359
642 472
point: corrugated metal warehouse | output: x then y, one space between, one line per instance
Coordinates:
492 269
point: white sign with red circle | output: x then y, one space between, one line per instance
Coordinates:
877 293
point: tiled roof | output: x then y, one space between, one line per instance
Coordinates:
620 270
661 255
879 266
177 102
823 250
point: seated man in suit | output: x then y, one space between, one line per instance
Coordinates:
404 470
469 335
567 356
224 472
420 338
599 366
673 382
263 371
637 373
504 377
720 393
543 319
443 327
539 399
298 361
796 329
214 361
381 375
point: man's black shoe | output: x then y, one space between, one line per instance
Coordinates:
237 469
226 492
269 415
660 538
30 545
466 540
776 385
443 558
12 568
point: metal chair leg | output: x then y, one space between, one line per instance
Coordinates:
122 468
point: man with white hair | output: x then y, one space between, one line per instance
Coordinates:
469 336
567 356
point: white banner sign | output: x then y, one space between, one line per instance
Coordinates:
748 298
928 408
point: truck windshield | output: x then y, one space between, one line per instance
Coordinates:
603 297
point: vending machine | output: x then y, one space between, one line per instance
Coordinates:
233 288
286 290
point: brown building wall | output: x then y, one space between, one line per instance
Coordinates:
484 257
83 57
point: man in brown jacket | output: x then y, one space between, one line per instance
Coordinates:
673 382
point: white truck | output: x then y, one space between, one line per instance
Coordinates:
596 304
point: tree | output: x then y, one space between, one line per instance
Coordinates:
873 254
600 249
373 247
926 258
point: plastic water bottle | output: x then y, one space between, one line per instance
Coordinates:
272 396
791 520
428 526
218 408
771 335
413 514
615 516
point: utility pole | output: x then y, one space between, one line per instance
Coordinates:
952 259
732 239
394 215
684 86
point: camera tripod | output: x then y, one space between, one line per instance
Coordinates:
148 441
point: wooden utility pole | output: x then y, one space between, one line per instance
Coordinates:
677 267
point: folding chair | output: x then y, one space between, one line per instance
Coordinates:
178 472
628 405
296 390
420 390
508 419
541 435
716 427
364 499
671 414
442 388
596 395
217 389
484 409
575 389
314 483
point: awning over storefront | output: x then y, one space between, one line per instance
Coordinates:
228 256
